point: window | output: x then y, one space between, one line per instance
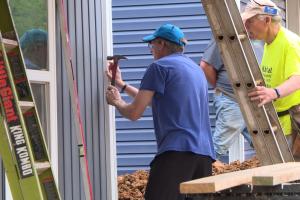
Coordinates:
33 20
30 19
40 92
35 24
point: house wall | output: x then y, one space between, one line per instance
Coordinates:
132 20
293 15
135 140
89 24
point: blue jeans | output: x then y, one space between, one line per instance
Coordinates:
229 124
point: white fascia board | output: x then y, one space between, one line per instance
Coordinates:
110 134
293 15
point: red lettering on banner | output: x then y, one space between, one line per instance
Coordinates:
6 95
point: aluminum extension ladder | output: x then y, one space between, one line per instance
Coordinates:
22 144
244 73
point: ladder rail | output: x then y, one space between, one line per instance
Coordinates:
9 162
269 109
23 150
244 73
235 16
24 176
212 12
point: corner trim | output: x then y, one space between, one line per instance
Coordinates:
293 15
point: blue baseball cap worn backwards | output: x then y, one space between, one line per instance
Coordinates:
168 32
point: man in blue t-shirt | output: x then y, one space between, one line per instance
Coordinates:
177 90
229 119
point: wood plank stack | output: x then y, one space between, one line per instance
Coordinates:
266 175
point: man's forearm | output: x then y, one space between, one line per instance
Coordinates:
131 91
126 110
210 73
289 86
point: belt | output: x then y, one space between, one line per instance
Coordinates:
283 113
287 112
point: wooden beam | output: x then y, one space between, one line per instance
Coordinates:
277 177
224 181
216 183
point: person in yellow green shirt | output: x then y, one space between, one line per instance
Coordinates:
280 64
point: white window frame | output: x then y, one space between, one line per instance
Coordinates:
48 78
110 131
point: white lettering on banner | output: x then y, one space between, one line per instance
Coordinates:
22 151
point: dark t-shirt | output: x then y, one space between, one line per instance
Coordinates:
180 105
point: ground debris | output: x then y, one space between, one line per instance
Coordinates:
132 186
235 166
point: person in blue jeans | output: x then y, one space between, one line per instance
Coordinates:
229 119
177 90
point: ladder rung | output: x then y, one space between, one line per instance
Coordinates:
242 36
10 44
259 82
241 64
42 166
26 105
274 128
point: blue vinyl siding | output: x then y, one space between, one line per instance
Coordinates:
136 145
132 20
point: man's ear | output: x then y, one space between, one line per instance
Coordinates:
161 44
268 19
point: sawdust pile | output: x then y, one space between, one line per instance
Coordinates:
236 166
132 186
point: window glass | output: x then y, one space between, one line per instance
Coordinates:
40 93
30 18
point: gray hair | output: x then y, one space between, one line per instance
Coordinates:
275 18
174 48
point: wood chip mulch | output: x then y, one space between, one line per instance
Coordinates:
132 186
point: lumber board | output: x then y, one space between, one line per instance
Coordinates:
225 181
273 178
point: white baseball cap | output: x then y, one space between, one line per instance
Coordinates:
260 7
